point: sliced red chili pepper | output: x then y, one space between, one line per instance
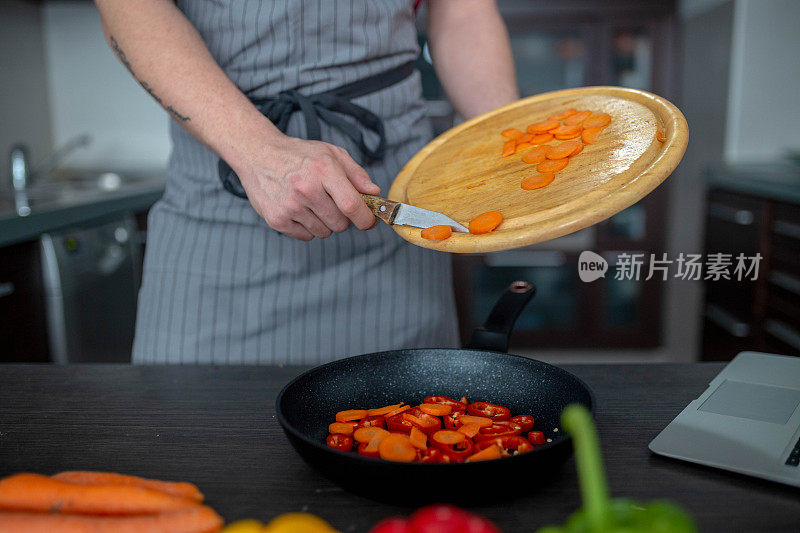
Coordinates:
433 455
396 424
503 428
489 410
372 421
455 404
457 453
536 437
525 421
426 423
340 442
362 450
508 442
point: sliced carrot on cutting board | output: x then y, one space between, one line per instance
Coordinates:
543 126
536 156
351 414
397 447
537 182
522 146
512 133
660 137
578 150
597 119
541 138
418 439
577 118
525 138
509 147
564 114
486 222
565 149
177 488
567 132
589 135
437 233
552 165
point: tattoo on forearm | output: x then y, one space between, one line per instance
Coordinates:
124 60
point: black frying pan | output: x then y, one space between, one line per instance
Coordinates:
482 372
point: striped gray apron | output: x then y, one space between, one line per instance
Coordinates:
219 285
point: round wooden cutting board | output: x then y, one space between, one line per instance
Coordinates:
461 173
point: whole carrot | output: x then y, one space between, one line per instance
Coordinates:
183 489
37 493
197 519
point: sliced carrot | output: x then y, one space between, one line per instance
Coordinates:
436 409
522 146
372 447
577 118
578 150
564 114
552 165
543 126
660 137
541 138
418 439
597 120
525 138
470 430
437 233
536 156
414 419
397 411
560 151
512 133
509 147
448 436
482 421
197 519
589 135
176 488
350 415
537 182
487 454
567 132
380 411
485 222
366 434
341 428
396 447
37 493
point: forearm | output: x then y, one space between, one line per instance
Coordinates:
471 53
166 55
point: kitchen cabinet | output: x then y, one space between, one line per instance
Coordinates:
761 314
558 45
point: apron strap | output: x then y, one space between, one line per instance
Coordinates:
331 107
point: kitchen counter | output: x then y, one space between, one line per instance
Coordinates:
777 181
74 208
215 426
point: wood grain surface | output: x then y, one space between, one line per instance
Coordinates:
461 172
216 427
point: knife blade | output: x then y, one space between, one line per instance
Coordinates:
399 214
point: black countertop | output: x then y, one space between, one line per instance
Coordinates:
215 426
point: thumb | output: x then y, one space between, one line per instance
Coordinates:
356 174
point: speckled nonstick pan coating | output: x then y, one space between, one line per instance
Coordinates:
308 404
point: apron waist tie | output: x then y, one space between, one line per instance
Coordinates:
330 107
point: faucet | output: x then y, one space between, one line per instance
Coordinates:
21 172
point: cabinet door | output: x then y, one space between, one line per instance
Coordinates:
22 315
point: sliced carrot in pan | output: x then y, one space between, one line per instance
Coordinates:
341 428
436 409
486 222
536 156
552 165
589 135
398 410
512 133
448 436
537 182
437 233
560 151
482 421
368 433
487 454
597 119
418 439
577 118
396 447
564 114
470 430
543 126
350 414
380 411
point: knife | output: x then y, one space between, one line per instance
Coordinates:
397 214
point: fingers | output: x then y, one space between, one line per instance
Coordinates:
349 201
357 175
313 224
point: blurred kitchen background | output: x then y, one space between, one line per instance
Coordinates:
86 151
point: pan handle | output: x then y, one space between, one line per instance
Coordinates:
494 333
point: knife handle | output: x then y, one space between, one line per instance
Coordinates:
384 209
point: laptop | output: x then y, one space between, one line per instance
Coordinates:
747 421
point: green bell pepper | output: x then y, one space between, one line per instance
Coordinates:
600 513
